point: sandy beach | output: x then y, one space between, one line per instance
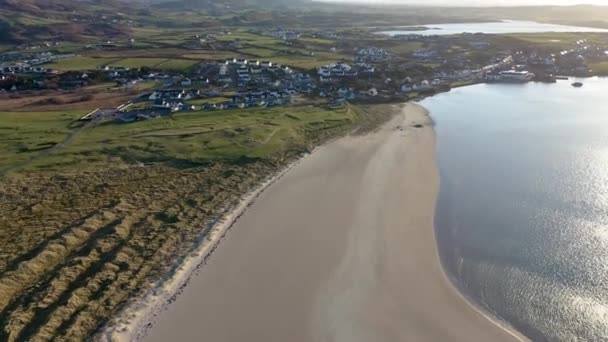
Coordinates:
342 248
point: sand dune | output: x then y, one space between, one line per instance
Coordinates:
342 248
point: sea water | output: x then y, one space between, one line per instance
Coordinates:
522 214
501 27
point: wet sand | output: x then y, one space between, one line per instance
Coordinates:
342 248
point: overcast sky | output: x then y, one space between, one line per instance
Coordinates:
484 2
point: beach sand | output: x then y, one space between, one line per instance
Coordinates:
342 248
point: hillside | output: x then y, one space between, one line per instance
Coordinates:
22 21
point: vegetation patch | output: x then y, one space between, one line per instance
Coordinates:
135 63
176 64
600 69
81 63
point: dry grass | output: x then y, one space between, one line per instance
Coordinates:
73 253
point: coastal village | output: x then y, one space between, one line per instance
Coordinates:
367 74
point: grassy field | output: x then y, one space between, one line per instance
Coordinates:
250 38
147 85
406 47
25 134
189 137
81 63
157 63
560 39
91 63
133 63
177 64
600 69
100 86
36 21
305 62
209 55
318 41
212 100
258 52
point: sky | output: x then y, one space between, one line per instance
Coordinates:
485 2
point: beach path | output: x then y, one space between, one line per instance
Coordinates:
342 248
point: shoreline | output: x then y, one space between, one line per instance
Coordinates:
142 316
453 280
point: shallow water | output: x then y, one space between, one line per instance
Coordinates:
507 26
522 216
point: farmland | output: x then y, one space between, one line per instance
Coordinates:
81 63
92 63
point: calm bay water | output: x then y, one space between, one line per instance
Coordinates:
507 26
522 216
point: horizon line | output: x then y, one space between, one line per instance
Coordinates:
422 4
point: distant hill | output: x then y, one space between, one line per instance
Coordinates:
230 2
24 20
201 4
41 6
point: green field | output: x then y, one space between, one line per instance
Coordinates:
250 38
37 21
134 63
305 62
177 64
319 41
258 52
212 100
406 47
560 39
209 55
81 63
147 85
91 63
189 137
23 135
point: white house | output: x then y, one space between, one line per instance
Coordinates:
186 82
406 88
154 96
223 70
